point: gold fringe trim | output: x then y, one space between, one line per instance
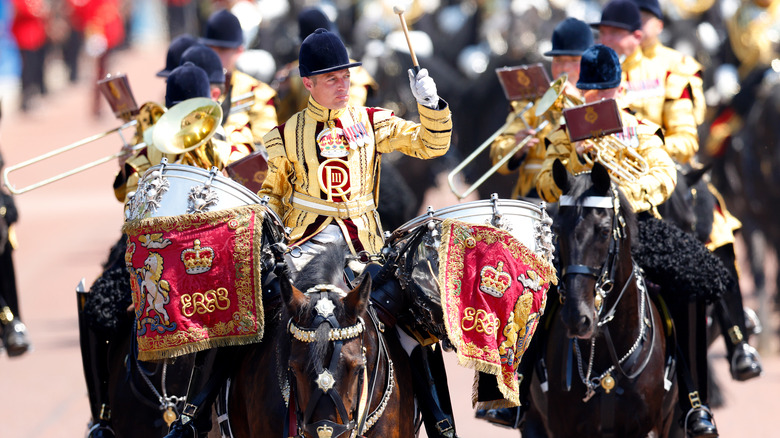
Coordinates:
186 222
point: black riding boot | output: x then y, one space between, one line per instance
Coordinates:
211 369
744 361
430 388
94 358
14 332
690 322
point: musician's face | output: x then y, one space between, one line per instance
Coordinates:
651 27
622 41
228 56
566 64
591 96
330 90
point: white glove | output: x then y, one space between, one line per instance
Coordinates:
424 89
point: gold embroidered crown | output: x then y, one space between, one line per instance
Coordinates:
494 281
324 431
196 259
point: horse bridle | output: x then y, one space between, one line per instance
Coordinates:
360 421
604 275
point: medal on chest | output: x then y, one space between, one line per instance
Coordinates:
629 136
332 142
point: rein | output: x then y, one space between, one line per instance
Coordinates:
362 420
604 285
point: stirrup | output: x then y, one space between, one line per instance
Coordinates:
701 408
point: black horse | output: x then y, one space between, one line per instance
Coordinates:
608 347
327 366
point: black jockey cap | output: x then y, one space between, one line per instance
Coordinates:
185 82
650 6
223 30
599 69
323 52
571 37
311 19
206 58
623 14
175 49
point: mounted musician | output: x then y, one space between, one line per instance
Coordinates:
292 95
224 35
679 114
570 38
184 82
640 147
323 175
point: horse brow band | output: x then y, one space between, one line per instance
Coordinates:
590 201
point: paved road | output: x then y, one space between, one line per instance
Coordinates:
65 232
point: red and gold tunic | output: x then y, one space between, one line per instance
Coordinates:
310 190
250 126
664 98
647 193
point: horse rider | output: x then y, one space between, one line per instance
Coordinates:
184 82
224 35
323 175
569 39
644 195
292 95
12 329
685 95
176 48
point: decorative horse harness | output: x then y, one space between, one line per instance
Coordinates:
605 281
361 420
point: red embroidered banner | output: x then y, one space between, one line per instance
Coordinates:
196 281
493 291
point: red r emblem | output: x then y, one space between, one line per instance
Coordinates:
334 179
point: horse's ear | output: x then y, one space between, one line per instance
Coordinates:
561 176
357 299
293 298
693 176
600 178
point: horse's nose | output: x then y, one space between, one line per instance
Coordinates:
583 325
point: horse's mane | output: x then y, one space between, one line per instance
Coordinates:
325 268
582 187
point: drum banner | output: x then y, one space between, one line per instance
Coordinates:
196 280
493 291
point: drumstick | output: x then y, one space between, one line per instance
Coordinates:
400 11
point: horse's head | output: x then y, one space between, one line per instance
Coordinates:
327 359
594 238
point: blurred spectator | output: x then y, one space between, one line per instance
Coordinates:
29 30
101 26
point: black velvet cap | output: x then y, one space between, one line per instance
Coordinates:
311 19
650 6
185 82
323 52
206 58
571 37
599 69
175 49
623 14
223 30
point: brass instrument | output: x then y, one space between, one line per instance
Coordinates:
552 101
189 124
622 161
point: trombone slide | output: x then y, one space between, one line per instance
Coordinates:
492 170
17 191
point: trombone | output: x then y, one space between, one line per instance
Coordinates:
242 103
183 128
553 98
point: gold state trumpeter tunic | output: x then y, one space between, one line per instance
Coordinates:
647 193
310 191
250 126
